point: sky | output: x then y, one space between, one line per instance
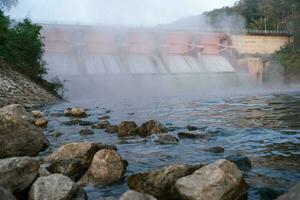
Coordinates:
113 12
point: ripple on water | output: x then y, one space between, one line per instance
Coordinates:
264 128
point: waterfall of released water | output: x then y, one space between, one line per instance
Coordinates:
101 75
101 64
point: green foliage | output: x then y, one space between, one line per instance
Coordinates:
275 15
21 46
289 57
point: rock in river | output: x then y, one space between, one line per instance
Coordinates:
193 135
56 187
127 128
6 194
292 194
107 167
75 112
221 180
151 127
216 149
133 195
101 125
86 131
37 113
18 173
166 139
160 183
242 162
41 122
18 136
84 152
112 129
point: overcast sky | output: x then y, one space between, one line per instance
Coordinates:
113 12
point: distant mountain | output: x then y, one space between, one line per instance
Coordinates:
191 22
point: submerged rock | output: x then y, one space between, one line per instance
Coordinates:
72 122
242 162
166 139
292 194
56 134
18 136
18 173
221 180
85 132
133 195
37 114
41 122
127 128
216 149
105 117
107 167
75 112
151 127
57 114
191 128
6 194
112 129
160 183
193 135
101 125
56 187
84 152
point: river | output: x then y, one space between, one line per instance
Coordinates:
263 126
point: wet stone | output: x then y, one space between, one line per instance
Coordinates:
86 132
72 122
216 149
105 117
56 134
75 112
166 139
101 125
242 162
127 128
41 122
112 129
193 135
191 128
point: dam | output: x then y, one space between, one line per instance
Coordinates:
149 58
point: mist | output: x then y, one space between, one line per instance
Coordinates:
113 12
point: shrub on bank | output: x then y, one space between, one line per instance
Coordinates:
21 46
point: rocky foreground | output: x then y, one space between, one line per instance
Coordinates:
63 174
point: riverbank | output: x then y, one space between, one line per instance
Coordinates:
16 88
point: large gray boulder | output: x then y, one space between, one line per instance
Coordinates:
107 167
75 158
18 173
18 136
160 183
292 194
6 194
56 187
221 180
133 195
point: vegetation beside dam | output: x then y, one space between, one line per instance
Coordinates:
279 15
